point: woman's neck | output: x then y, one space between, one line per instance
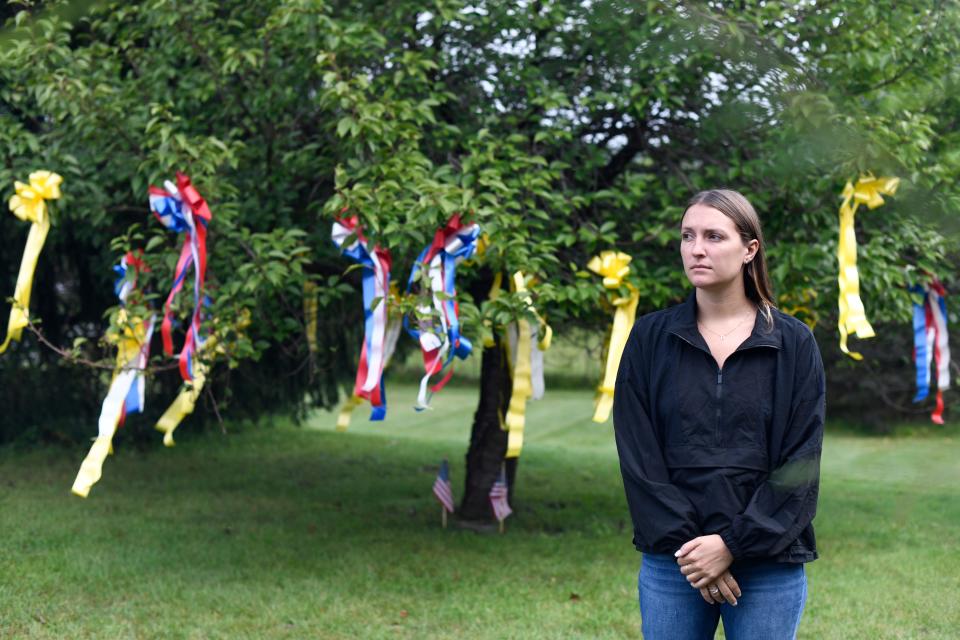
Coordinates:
723 305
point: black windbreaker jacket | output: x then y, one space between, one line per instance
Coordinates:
735 451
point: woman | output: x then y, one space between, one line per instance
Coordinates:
718 414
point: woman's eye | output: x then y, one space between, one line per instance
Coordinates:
686 236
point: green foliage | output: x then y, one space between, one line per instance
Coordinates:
563 128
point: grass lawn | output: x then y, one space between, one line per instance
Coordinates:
290 532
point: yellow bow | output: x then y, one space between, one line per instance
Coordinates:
29 204
522 370
613 266
853 317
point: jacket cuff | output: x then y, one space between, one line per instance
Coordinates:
732 546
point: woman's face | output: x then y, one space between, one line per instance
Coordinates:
713 252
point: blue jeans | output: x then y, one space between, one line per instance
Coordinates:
769 609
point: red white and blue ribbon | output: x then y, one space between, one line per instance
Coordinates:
376 287
451 245
123 286
181 209
931 343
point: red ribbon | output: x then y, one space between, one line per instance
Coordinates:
201 217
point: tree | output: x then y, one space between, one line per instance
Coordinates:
563 128
626 111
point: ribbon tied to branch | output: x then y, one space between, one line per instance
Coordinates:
30 205
614 266
526 344
868 191
931 343
378 341
439 343
126 393
180 208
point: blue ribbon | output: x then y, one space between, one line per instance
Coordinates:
379 413
921 360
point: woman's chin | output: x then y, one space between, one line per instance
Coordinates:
701 279
710 282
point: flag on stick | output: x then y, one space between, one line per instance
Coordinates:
498 498
442 490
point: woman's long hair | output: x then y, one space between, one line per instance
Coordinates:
756 278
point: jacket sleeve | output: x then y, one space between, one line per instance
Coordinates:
663 518
785 504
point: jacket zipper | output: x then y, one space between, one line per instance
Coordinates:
719 412
717 432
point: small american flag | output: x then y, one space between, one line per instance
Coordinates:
441 487
498 497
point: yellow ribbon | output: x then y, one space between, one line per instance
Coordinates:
186 401
129 344
346 412
393 328
797 306
853 318
521 372
310 314
29 204
614 266
92 467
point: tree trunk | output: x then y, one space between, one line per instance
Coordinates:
488 441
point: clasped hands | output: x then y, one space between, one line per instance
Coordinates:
705 562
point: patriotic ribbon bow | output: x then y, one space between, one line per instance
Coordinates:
614 266
126 392
451 245
30 205
376 264
931 343
853 317
180 208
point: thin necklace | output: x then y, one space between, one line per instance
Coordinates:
722 336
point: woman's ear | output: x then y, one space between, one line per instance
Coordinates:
752 247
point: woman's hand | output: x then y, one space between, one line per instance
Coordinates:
727 590
703 560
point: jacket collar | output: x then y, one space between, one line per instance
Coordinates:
683 324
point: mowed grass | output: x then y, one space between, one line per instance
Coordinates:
286 532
